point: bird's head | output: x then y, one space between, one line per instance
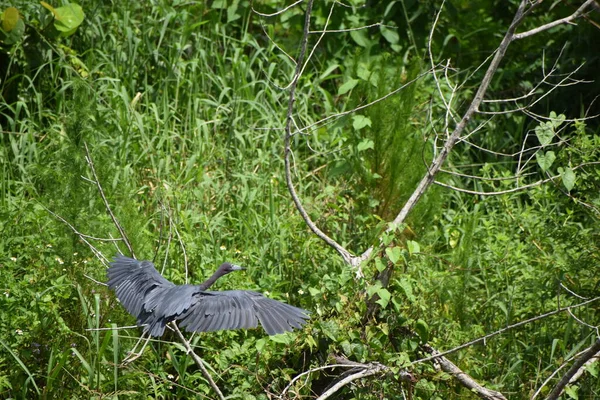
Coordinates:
227 267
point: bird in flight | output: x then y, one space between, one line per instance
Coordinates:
155 302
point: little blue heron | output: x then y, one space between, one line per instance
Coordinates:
155 302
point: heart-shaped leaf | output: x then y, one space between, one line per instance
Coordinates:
568 178
393 254
545 161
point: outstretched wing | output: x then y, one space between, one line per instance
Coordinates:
237 309
135 283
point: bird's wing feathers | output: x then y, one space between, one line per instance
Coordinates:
134 282
236 309
155 301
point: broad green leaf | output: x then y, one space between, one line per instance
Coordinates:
422 330
360 37
260 344
347 86
379 264
384 297
284 338
391 35
232 14
393 254
360 121
544 133
568 178
545 161
571 391
15 35
66 18
413 247
556 120
372 289
365 144
328 71
10 18
406 286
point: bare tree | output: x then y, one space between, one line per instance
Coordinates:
456 127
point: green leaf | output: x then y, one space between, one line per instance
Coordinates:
391 35
10 19
284 338
15 35
384 297
328 72
406 286
422 330
379 264
545 161
544 133
260 344
393 254
67 18
571 391
568 178
360 121
413 247
556 120
360 37
365 144
347 86
372 289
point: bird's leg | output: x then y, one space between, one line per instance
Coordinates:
132 355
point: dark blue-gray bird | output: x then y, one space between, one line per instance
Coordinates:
155 302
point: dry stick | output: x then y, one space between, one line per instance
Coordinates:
198 361
450 368
373 369
310 371
499 331
587 355
288 136
552 24
90 162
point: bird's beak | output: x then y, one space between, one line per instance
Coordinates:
237 267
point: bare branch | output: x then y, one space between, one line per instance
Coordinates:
369 370
288 148
278 12
579 363
450 368
500 331
552 24
90 162
198 361
513 190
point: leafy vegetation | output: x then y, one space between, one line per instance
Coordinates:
182 108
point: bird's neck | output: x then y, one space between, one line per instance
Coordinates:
208 283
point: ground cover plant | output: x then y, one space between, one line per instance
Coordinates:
422 176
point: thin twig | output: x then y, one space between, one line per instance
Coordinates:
90 162
372 369
500 331
587 355
198 361
288 148
552 24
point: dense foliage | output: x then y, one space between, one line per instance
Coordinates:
182 105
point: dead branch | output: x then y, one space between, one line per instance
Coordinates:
198 361
552 24
577 365
450 368
507 328
90 162
368 370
